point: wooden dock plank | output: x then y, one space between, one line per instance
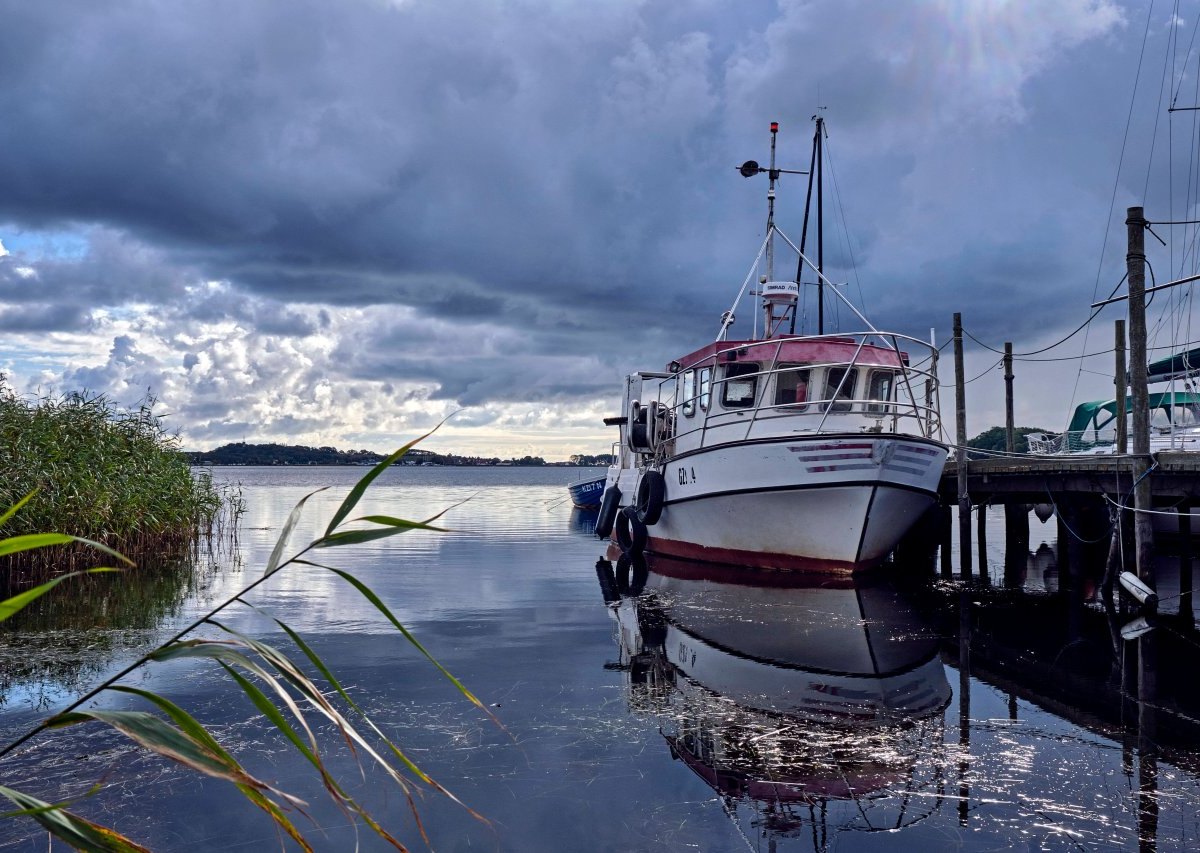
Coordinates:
1033 479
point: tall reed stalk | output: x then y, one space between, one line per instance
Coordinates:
100 472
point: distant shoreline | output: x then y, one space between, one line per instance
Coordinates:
245 455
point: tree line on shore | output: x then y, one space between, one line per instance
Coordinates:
241 453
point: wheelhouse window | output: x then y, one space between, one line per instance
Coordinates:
879 390
791 386
689 393
741 385
705 387
839 388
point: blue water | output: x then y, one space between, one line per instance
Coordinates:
667 712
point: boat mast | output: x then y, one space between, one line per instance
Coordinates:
772 176
820 229
814 171
781 296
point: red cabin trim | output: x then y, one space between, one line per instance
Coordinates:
793 350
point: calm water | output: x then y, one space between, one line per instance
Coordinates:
660 710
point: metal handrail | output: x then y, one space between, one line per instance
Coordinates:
897 409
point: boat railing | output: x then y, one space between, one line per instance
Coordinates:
903 403
1104 440
1072 441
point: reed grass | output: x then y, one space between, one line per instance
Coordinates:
101 472
292 688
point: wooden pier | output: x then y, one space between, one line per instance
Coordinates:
1100 501
1174 478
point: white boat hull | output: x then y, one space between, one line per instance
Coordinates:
838 502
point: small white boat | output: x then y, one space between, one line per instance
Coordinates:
780 450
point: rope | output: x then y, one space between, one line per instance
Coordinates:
980 376
1057 343
1106 535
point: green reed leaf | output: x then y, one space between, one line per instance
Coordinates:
329 676
12 510
286 533
29 541
360 487
194 729
268 710
79 833
357 537
158 736
370 595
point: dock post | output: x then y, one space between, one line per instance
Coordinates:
1121 381
1186 605
946 534
960 424
981 535
1016 516
1135 261
1010 433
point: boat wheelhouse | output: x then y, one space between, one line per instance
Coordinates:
782 450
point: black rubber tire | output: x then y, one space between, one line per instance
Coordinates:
652 491
631 533
609 505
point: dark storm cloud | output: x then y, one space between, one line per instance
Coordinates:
44 318
562 169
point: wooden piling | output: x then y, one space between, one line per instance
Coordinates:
1186 605
1121 381
1016 516
960 422
945 533
981 535
1135 261
1010 433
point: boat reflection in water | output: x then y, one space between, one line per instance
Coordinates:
584 521
803 700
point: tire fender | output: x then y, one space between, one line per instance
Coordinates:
631 533
651 492
609 505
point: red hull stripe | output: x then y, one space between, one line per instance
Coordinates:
752 559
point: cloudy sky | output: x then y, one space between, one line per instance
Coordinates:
337 221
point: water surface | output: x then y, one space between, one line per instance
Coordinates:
679 708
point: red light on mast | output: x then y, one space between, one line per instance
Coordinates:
774 127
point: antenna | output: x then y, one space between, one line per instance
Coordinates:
776 295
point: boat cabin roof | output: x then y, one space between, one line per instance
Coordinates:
1098 413
799 350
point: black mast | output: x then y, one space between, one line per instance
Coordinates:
820 232
814 170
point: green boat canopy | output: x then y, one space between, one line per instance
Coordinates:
1098 414
1174 366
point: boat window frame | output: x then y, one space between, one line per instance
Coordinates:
740 370
705 387
803 373
878 408
688 392
835 402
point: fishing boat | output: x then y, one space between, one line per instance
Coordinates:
779 449
586 493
